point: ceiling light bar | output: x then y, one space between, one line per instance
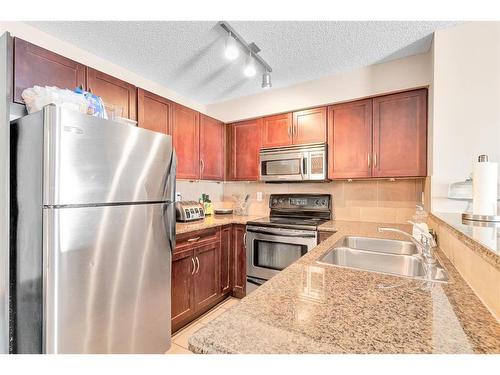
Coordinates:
250 49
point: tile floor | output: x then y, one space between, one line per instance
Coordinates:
180 338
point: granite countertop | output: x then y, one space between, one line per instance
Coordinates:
313 308
212 221
482 237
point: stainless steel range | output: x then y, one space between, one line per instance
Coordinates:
291 230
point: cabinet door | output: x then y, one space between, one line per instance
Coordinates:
183 302
246 143
239 264
350 139
207 277
400 134
309 126
34 65
277 130
186 134
211 148
153 112
225 259
113 91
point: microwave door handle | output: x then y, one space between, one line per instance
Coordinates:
304 166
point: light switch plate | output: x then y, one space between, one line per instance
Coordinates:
259 196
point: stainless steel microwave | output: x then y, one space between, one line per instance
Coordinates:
294 163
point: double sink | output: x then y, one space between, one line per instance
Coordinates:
394 257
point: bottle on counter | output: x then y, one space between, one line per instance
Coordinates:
208 206
420 220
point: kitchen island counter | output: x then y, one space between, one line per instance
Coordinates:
314 308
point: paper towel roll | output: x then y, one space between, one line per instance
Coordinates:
484 188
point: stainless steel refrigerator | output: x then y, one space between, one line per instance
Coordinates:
92 232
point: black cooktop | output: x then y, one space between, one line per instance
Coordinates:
289 222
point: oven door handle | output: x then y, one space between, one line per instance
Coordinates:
255 282
283 234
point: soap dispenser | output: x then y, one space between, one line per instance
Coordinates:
419 219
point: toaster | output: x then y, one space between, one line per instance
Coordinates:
189 211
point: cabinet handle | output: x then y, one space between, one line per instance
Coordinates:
369 161
289 132
194 239
198 268
194 266
375 160
245 240
202 164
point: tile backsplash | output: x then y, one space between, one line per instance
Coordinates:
367 200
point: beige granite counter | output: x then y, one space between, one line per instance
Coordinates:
313 308
212 221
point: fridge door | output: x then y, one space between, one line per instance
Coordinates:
107 279
88 160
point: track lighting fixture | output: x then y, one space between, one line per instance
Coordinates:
234 42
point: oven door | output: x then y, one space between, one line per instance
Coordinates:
270 250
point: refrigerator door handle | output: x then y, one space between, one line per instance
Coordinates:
171 218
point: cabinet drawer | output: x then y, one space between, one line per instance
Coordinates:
197 237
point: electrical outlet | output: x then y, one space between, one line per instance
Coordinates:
259 196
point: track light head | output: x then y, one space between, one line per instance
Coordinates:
266 80
231 51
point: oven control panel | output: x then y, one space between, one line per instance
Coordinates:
300 201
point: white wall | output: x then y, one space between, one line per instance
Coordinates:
409 72
42 39
466 105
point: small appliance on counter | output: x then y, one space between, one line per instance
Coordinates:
189 211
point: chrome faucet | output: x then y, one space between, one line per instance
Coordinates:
425 245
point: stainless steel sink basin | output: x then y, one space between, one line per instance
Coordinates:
383 256
378 244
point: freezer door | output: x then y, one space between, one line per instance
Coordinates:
107 279
88 160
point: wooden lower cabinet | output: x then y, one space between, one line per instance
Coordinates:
323 235
207 266
183 304
225 259
239 262
206 277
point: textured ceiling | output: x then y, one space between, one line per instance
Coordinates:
187 56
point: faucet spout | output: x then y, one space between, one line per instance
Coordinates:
424 246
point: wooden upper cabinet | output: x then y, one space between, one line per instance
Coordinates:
211 148
113 91
245 147
186 135
34 65
400 134
277 130
309 126
154 112
350 139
